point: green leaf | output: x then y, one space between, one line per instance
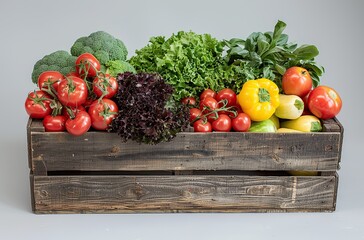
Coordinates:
267 73
273 50
278 29
280 69
283 39
263 45
250 45
315 79
238 51
319 70
256 60
234 41
306 52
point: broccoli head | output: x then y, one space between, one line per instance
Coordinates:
102 45
60 61
117 66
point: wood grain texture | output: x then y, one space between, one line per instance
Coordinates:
183 193
101 151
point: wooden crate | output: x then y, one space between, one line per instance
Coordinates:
195 172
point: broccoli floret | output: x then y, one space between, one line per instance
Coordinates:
117 66
102 45
60 61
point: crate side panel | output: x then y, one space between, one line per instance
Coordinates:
99 151
79 194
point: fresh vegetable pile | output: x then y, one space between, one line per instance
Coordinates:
77 92
263 83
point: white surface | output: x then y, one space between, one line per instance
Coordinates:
31 29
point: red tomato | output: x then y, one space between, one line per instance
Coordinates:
227 94
296 81
73 74
37 104
49 78
306 111
105 86
79 125
88 102
74 111
202 126
191 101
102 112
87 65
222 123
213 116
207 93
324 102
237 109
72 91
208 104
194 113
241 123
54 123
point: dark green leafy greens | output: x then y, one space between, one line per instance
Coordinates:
270 54
145 113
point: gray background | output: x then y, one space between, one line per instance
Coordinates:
31 29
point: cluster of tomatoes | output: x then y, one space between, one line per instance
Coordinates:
322 101
76 102
217 111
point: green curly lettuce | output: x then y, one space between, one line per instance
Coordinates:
117 66
188 61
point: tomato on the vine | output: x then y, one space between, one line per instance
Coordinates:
194 113
66 111
324 102
222 123
49 78
202 125
80 124
54 123
37 104
72 91
189 101
241 123
87 65
229 95
207 93
105 86
208 104
102 112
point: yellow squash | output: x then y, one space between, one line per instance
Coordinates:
305 123
290 107
259 98
288 130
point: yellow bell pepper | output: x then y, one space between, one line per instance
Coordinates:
259 98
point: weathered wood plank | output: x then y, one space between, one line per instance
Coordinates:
99 151
122 194
29 141
332 125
